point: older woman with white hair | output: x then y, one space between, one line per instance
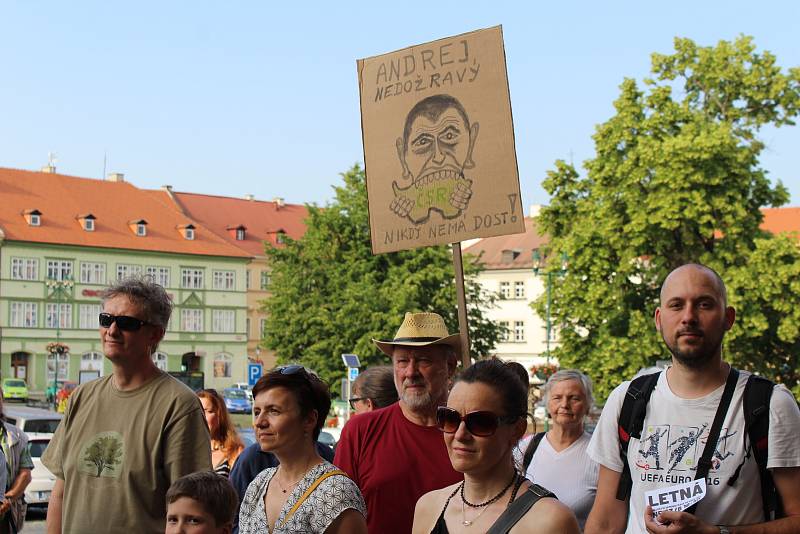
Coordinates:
557 459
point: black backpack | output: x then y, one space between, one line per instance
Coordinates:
530 449
756 399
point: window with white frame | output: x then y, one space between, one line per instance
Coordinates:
263 326
125 270
504 331
223 321
191 320
88 225
222 365
160 359
141 229
519 290
264 279
519 331
59 315
88 316
247 279
62 360
93 273
59 269
24 268
192 278
92 361
35 219
223 280
159 275
505 290
23 314
240 234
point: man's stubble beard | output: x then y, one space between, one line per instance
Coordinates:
695 359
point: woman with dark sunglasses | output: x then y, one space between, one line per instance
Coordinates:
226 445
304 493
484 419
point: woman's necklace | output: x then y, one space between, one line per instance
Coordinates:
485 505
293 484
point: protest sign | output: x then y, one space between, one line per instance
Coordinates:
439 143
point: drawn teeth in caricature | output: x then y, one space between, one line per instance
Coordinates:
434 151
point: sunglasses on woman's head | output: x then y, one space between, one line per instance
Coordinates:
124 322
480 423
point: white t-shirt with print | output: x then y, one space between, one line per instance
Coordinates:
673 438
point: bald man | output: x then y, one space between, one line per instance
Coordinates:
692 318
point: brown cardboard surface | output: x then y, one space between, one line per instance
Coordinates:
439 143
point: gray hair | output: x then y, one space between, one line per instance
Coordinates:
570 374
142 291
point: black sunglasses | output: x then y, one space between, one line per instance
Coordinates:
124 322
481 423
354 400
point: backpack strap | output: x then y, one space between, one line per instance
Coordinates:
533 444
517 509
630 424
704 465
757 396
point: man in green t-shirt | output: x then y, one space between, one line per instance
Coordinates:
127 436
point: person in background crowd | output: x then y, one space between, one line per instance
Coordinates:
485 416
127 436
692 319
396 454
226 446
557 460
201 503
304 493
373 389
15 475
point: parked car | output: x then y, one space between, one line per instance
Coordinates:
328 438
244 386
32 420
236 400
16 389
37 494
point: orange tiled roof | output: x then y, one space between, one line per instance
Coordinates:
777 220
62 199
262 220
493 247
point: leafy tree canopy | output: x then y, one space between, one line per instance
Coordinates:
331 295
676 178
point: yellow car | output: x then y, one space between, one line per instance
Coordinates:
15 389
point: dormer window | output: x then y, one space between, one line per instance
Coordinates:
237 232
240 234
139 227
280 237
34 217
187 231
87 222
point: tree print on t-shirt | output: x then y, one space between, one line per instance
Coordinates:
103 455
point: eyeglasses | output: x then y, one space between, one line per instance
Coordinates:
354 400
291 369
124 322
480 423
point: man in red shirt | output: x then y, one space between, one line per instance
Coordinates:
396 454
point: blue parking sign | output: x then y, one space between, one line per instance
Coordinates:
353 373
254 371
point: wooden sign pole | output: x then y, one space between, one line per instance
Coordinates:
462 305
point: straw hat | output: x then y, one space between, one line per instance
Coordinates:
421 330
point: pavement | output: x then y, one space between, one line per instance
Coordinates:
35 522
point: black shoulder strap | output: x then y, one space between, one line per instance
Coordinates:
757 396
530 450
704 465
631 421
519 508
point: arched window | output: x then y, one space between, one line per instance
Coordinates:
92 361
63 366
160 359
222 365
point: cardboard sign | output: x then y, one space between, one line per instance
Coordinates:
676 498
439 143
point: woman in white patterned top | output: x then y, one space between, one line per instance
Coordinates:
304 493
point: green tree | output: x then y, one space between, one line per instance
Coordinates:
675 179
331 295
104 453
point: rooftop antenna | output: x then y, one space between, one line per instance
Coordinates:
105 156
51 159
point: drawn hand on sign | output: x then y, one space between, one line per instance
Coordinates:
435 149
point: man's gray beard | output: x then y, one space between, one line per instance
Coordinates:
418 402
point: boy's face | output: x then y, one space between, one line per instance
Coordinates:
186 516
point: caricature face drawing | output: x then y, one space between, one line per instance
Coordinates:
434 151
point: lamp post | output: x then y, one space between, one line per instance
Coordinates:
538 267
58 289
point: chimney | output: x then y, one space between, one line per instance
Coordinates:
49 169
249 197
279 203
116 177
167 188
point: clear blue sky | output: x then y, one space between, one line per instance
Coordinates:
262 97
